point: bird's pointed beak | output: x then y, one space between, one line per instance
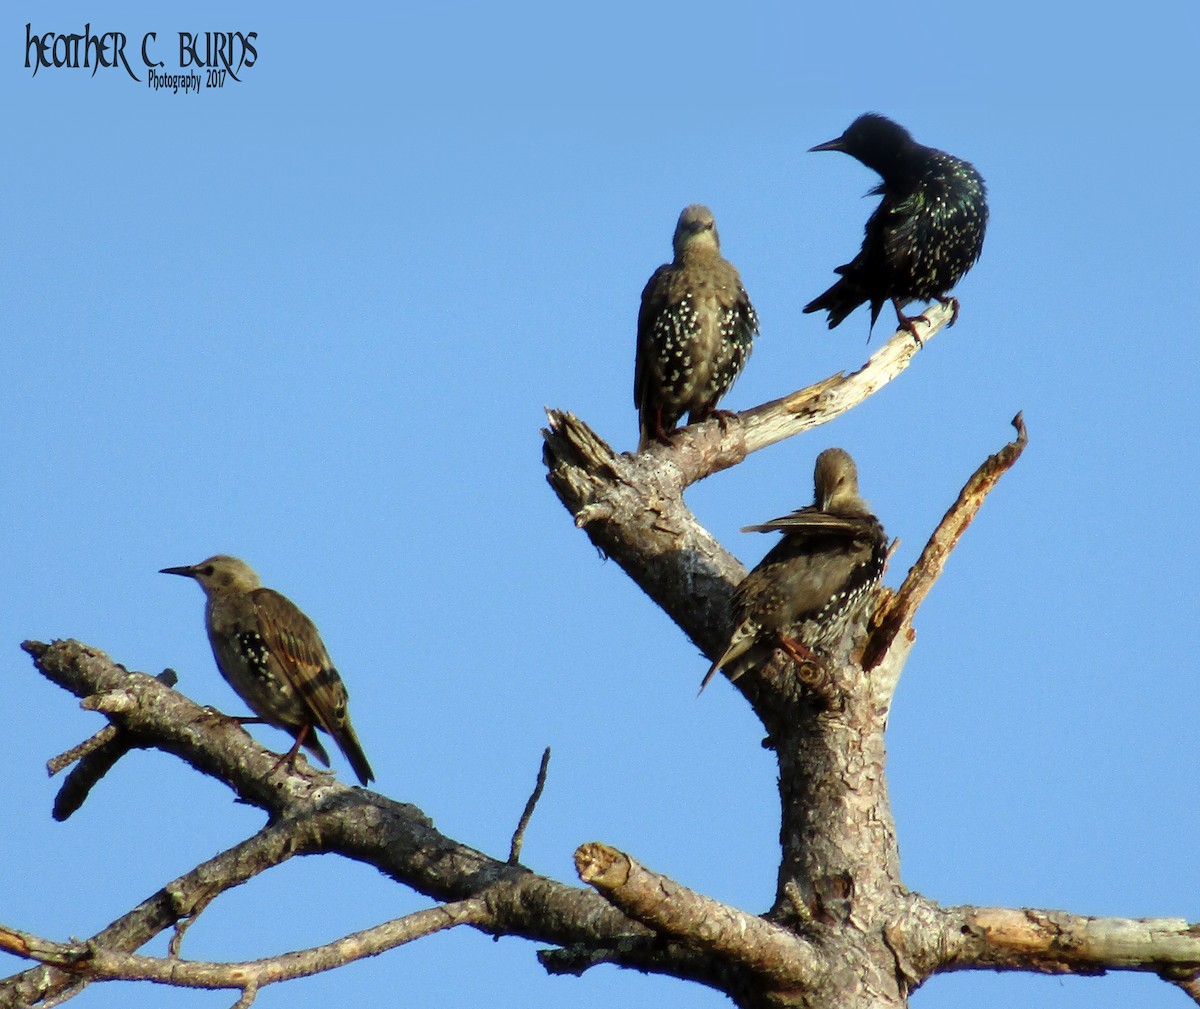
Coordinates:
829 145
188 571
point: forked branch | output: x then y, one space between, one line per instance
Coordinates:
89 961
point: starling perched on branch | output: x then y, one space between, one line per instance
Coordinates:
801 595
272 655
694 333
926 233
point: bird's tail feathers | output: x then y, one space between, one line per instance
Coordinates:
352 749
313 745
839 301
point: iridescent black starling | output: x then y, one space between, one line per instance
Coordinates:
695 329
926 233
803 593
272 655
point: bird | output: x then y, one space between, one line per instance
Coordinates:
273 657
926 233
695 329
808 587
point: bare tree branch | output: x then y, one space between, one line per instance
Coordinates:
312 812
93 962
632 508
844 930
97 755
85 749
701 450
178 901
675 911
518 839
1056 942
896 614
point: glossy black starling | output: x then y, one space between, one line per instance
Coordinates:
695 329
926 233
272 655
804 591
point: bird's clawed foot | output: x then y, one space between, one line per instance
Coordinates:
952 304
909 323
797 652
722 417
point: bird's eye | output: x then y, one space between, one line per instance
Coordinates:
208 570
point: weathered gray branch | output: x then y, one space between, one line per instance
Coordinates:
843 930
312 812
701 450
1056 942
894 616
840 883
99 963
670 909
178 901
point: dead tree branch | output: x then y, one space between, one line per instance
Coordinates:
89 961
1056 942
311 812
895 615
518 839
675 911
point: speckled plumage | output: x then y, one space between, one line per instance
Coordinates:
695 330
926 233
273 656
802 593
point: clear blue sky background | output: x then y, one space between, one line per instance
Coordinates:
312 319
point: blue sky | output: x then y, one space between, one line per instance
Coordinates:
312 319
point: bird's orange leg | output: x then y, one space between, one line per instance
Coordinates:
909 322
796 651
289 758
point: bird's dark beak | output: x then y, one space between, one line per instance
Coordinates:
188 571
829 145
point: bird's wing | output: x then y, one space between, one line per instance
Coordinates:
653 300
812 519
902 221
295 643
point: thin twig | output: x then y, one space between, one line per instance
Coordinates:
246 999
899 609
518 839
186 921
87 747
96 755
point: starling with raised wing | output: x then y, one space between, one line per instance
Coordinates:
926 233
695 330
803 593
272 655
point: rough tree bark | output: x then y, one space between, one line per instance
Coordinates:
843 931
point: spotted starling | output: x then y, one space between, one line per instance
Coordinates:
802 594
695 328
272 655
926 233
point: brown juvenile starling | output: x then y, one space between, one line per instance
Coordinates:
926 233
802 593
695 328
272 655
